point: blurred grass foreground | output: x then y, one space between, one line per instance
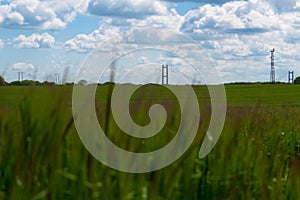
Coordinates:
257 156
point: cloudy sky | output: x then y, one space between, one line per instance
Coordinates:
45 37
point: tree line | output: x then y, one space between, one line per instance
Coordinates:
27 83
81 82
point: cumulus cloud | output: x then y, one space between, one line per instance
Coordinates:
1 44
230 17
170 20
233 23
34 41
23 66
87 42
40 14
55 14
279 5
200 1
240 34
283 5
126 8
242 17
113 27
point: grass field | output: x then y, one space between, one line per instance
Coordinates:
256 157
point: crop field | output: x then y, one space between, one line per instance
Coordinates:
256 157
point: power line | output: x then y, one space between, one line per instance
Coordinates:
182 74
281 76
151 76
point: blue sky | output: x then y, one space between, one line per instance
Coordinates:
42 38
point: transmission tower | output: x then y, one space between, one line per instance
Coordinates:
291 77
272 74
165 75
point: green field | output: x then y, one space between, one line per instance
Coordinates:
256 157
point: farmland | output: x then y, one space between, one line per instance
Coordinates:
256 157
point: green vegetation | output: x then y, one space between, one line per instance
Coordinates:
257 156
2 81
30 83
297 80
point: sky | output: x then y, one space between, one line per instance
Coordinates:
46 37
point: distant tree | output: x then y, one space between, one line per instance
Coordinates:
297 80
46 83
29 83
82 82
2 81
109 83
38 83
25 83
15 83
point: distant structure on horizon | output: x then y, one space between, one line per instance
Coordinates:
291 77
165 75
20 76
56 78
272 74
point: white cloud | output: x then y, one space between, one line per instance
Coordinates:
1 44
201 1
240 20
240 34
23 66
88 42
126 8
170 20
34 41
241 17
112 27
283 5
234 46
56 14
54 24
297 6
40 14
238 16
